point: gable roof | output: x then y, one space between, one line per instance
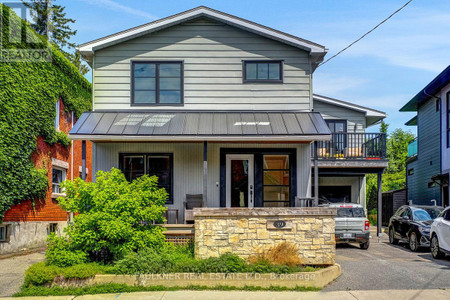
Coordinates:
373 116
316 51
427 92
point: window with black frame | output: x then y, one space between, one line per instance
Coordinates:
276 180
263 71
160 165
157 83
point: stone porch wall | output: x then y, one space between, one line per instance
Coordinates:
248 231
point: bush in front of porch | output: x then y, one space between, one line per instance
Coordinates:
112 217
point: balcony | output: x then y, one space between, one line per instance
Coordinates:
353 146
412 148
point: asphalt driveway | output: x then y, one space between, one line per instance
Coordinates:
385 266
12 271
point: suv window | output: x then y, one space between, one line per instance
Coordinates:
399 211
407 213
447 215
350 212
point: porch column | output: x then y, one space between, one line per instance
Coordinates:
380 206
205 171
83 160
316 176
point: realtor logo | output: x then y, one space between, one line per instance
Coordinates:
19 43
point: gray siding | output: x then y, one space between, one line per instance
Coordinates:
188 166
356 121
428 161
212 55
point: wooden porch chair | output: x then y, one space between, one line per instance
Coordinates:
192 201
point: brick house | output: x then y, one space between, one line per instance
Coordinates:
26 225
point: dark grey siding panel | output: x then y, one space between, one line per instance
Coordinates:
90 124
248 129
80 122
232 124
292 125
104 124
428 161
263 124
278 127
220 123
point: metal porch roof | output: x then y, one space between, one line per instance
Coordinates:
170 125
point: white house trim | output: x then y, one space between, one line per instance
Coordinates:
316 50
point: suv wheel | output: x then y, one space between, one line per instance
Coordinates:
392 239
413 243
434 246
365 245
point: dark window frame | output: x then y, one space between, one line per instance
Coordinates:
276 185
411 172
149 154
244 71
157 89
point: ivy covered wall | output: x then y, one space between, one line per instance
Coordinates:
28 93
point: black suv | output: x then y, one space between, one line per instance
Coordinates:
412 224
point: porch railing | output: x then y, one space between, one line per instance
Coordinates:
353 146
412 148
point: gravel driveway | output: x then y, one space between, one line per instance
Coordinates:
385 266
12 271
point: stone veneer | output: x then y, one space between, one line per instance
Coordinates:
247 231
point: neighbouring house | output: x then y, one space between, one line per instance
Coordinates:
26 225
221 109
428 163
40 102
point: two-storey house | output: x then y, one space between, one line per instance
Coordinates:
428 163
222 107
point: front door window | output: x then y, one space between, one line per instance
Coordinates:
240 186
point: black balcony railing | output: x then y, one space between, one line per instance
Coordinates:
353 146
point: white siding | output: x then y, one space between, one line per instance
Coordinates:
356 121
212 54
188 166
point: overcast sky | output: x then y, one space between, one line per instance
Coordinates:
383 71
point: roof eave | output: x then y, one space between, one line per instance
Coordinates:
314 49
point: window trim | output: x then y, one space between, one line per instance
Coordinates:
64 177
244 72
58 112
170 199
157 90
7 228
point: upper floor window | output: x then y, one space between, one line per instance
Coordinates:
263 71
157 83
58 176
337 126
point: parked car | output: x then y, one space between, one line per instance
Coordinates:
352 225
440 235
412 224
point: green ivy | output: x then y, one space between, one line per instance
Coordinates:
28 93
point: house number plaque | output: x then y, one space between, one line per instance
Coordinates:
279 224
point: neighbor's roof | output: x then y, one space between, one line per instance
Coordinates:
200 126
429 91
315 50
373 116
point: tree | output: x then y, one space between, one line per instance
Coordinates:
113 217
50 20
394 177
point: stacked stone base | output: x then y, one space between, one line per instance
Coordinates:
249 231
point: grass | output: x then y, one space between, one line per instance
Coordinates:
114 288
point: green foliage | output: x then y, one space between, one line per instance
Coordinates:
60 253
170 260
114 217
115 288
41 273
28 92
394 177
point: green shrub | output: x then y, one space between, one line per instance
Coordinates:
114 217
41 273
59 253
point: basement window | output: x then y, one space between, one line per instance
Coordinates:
4 233
411 172
52 228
